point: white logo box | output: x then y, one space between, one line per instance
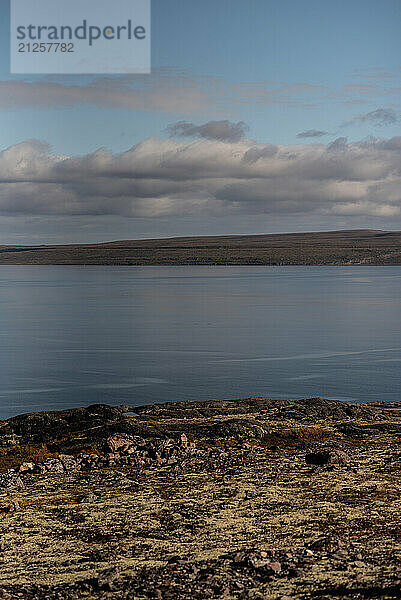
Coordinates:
80 36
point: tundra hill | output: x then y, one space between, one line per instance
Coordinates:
353 247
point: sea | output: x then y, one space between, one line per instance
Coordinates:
78 335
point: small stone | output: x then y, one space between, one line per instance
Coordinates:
89 498
14 507
107 577
19 484
318 543
293 572
275 566
184 441
359 564
26 467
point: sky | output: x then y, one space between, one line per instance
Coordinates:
259 116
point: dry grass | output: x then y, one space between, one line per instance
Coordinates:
15 455
295 437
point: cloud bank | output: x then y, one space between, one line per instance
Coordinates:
162 178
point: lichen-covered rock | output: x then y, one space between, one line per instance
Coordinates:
14 506
119 442
53 465
69 462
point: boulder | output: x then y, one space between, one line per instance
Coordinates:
53 465
119 442
69 462
326 457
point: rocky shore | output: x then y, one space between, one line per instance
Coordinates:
246 499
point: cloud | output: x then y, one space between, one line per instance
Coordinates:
261 151
369 90
373 73
164 90
223 131
378 117
176 92
155 92
339 144
160 178
312 133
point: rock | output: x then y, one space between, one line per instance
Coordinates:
119 442
359 564
69 462
314 408
10 479
14 506
19 484
47 426
318 543
249 494
184 441
26 467
53 465
89 498
39 469
107 577
274 566
326 457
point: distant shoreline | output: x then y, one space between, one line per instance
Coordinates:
335 248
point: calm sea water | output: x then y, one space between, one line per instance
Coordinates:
71 336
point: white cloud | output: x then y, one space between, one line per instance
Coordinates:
161 178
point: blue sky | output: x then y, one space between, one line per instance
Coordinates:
296 73
320 43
